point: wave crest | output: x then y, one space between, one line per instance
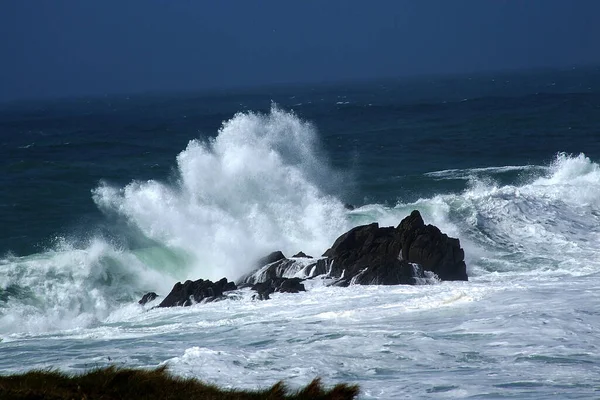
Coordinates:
254 188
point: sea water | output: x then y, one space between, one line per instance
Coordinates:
106 198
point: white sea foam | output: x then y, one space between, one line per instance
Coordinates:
550 223
66 288
255 188
522 327
447 340
261 185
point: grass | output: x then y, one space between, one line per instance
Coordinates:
113 383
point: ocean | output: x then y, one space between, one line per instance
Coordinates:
103 199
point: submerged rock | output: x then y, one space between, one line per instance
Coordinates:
191 292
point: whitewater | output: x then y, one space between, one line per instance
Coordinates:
525 325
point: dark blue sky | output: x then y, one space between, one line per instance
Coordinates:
76 47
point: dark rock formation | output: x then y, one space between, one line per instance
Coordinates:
283 285
365 255
301 255
369 254
191 292
402 273
374 255
271 258
427 246
148 297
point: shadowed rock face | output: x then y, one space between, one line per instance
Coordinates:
400 273
283 285
190 292
271 258
368 254
427 246
374 255
148 297
365 255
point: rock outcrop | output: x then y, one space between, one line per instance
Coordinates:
410 253
271 258
373 255
301 255
283 285
200 291
369 254
147 298
427 246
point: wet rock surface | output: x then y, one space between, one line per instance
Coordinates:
411 253
200 291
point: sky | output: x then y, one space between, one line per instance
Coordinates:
62 48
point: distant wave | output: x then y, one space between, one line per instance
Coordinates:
471 172
550 222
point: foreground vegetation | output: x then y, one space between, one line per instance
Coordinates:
132 384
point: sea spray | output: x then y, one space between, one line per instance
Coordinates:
547 223
258 186
67 288
254 188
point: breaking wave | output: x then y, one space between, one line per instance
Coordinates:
261 184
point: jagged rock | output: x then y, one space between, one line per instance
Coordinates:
427 246
365 255
301 255
283 285
369 254
289 285
148 297
191 292
229 286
